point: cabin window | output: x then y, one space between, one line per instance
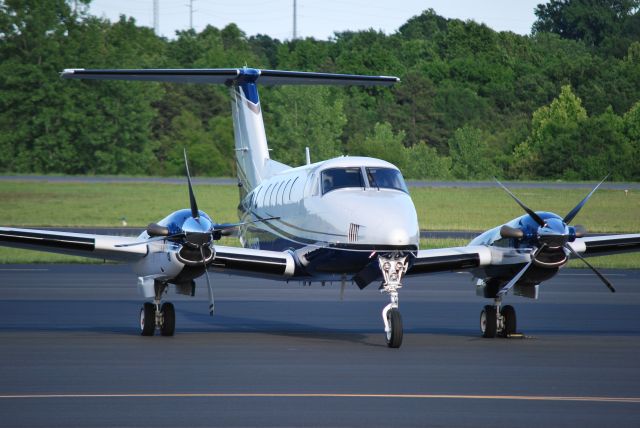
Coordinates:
273 189
386 178
264 198
276 193
284 191
340 178
292 185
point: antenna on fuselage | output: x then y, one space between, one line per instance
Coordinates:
307 155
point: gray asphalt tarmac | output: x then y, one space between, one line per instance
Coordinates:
285 355
227 181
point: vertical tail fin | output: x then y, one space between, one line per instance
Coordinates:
252 152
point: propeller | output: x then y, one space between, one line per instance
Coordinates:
209 286
567 219
192 198
601 276
553 232
504 290
197 239
529 211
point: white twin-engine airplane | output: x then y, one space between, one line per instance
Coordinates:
348 219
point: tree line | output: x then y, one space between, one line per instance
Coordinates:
560 103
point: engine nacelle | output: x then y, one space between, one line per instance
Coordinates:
190 256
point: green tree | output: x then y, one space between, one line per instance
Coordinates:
471 157
188 132
382 143
297 117
550 149
418 161
604 148
66 126
632 131
425 162
592 21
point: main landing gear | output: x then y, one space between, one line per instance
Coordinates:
158 316
392 268
497 321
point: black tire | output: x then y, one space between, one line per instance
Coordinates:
168 319
489 321
148 319
394 337
509 315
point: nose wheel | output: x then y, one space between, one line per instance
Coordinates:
393 328
392 268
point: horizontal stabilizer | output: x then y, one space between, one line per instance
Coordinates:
230 76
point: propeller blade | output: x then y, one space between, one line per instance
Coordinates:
148 241
504 290
209 287
192 198
529 211
604 280
224 226
567 219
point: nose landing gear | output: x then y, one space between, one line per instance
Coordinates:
392 268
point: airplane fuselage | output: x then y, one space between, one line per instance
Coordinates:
355 204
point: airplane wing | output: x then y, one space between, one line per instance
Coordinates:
74 244
605 245
228 259
450 259
469 257
250 262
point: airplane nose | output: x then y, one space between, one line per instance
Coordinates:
397 236
386 218
397 227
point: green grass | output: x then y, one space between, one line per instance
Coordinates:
104 204
484 208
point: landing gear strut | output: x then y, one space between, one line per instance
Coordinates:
392 268
496 321
158 316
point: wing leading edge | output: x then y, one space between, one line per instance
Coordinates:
74 244
229 76
605 245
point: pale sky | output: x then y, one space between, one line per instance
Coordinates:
319 18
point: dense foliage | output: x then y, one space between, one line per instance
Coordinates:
563 102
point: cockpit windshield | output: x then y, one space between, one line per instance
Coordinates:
338 178
386 178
